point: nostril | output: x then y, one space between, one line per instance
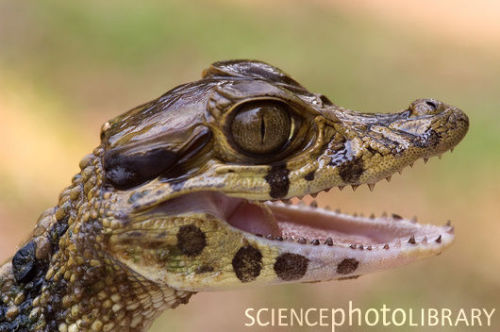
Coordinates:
432 104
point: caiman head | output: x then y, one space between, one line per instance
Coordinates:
196 184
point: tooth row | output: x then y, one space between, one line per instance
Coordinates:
371 186
300 240
385 215
329 241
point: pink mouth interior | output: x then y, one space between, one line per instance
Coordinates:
292 222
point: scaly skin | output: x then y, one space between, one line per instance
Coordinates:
180 197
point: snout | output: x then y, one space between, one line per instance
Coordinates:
439 125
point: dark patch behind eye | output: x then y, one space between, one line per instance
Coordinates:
125 171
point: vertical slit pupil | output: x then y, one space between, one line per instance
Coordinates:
262 129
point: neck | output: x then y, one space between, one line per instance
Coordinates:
63 279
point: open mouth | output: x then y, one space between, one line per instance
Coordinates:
309 224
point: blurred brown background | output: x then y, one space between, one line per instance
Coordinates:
66 67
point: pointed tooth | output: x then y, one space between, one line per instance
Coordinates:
412 240
424 241
327 190
372 216
388 179
327 207
314 204
329 242
440 156
338 211
411 164
386 246
352 246
371 186
341 188
414 220
315 242
426 160
438 240
302 240
369 248
448 223
314 195
384 214
451 150
354 187
396 216
400 171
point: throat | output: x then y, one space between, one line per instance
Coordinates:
100 297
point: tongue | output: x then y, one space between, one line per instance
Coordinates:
254 218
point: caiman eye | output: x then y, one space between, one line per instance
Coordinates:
261 127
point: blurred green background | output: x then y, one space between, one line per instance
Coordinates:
66 67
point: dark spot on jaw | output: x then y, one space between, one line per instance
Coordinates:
278 181
247 263
24 263
291 266
428 139
351 171
309 176
191 240
347 266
